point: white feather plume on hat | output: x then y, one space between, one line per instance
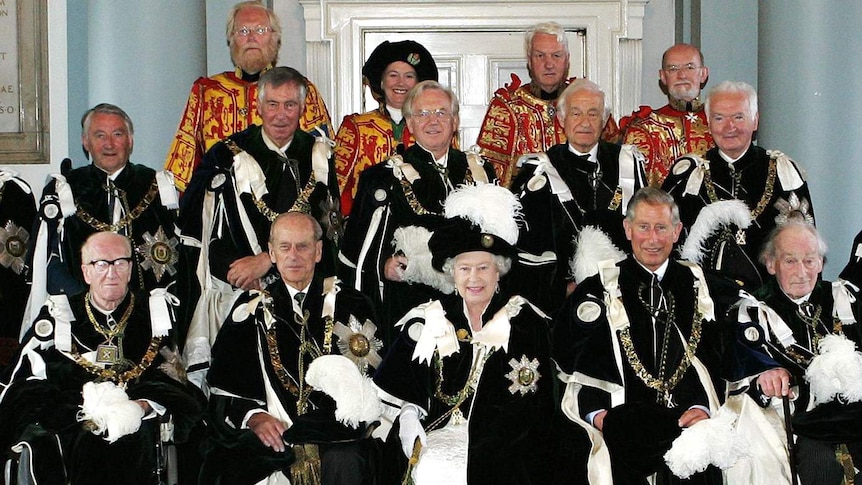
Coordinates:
709 221
494 209
592 246
413 242
108 410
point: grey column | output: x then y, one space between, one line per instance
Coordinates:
144 57
811 107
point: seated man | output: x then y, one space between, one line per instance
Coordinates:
770 183
582 179
52 414
630 342
786 319
259 361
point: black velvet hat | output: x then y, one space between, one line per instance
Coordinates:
458 236
478 218
386 53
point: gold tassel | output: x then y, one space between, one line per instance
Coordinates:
414 459
306 469
842 454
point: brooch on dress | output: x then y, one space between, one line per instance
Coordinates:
524 375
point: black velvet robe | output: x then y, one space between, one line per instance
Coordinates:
510 434
88 186
753 168
587 347
552 226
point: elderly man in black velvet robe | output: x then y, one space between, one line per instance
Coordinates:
62 426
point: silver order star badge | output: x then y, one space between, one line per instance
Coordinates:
159 253
357 342
13 245
524 375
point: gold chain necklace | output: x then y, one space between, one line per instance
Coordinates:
767 190
120 378
455 401
126 220
118 330
306 346
664 387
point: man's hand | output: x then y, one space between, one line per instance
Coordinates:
774 382
599 420
692 416
393 268
144 405
246 272
268 429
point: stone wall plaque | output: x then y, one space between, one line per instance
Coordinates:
23 81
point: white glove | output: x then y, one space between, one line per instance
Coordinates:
410 428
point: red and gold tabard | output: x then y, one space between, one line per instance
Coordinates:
518 122
220 106
665 134
363 140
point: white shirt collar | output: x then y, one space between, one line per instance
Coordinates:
659 271
395 114
272 146
727 157
116 174
593 153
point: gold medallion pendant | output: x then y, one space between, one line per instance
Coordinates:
107 354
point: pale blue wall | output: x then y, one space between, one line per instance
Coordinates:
811 108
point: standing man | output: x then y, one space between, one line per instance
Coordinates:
770 183
583 179
224 104
243 184
17 212
111 194
407 190
679 127
629 344
521 118
261 359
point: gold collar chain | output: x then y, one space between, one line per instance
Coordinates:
120 378
455 401
109 333
664 387
767 190
126 220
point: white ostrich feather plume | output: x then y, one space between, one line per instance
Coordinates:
355 396
708 442
709 221
109 411
494 209
836 371
591 247
413 242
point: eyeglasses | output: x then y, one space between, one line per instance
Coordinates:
120 265
439 114
673 68
246 31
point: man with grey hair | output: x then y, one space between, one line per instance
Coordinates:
110 194
679 127
407 190
786 321
770 183
521 118
582 180
632 344
224 104
243 184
